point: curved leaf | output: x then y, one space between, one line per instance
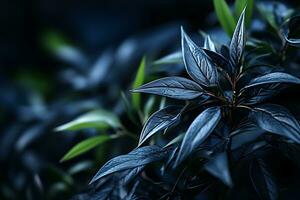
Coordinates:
159 120
95 119
278 120
209 44
225 16
218 167
218 59
173 87
85 146
198 65
275 77
198 131
135 158
238 41
263 181
240 5
139 80
173 58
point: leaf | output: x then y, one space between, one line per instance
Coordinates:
278 120
160 120
198 65
225 16
218 59
95 119
209 44
198 131
173 58
238 41
240 5
218 167
173 87
260 94
245 134
275 77
263 181
290 31
99 119
135 158
139 80
85 146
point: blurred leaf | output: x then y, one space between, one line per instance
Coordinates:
240 5
53 40
149 107
139 80
225 16
173 58
99 119
85 146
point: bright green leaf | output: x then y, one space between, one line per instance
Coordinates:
240 5
85 146
99 119
225 16
139 80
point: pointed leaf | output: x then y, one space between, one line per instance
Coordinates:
218 167
218 59
173 87
135 158
278 120
198 131
95 119
275 77
160 120
263 181
238 41
85 146
240 5
209 44
198 65
139 80
225 16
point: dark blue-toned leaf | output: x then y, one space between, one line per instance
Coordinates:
209 44
260 94
198 131
135 158
290 31
198 65
218 167
173 87
246 133
218 59
275 77
238 41
278 120
263 181
158 121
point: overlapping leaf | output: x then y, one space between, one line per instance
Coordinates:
158 121
198 131
173 87
198 65
135 158
278 120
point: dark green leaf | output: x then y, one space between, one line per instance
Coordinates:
275 77
225 16
85 146
139 80
198 65
173 87
198 131
238 41
278 120
263 181
135 158
160 120
218 167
